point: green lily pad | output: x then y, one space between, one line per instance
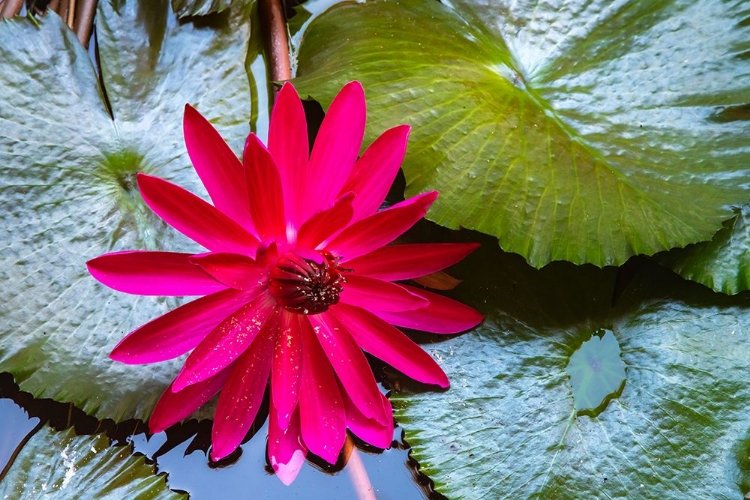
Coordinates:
588 133
68 158
509 426
723 263
187 8
62 465
596 372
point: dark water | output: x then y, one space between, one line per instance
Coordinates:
181 454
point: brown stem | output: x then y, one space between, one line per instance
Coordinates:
274 24
63 9
11 8
85 21
71 14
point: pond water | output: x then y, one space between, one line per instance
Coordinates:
181 454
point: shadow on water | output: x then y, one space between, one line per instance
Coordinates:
181 453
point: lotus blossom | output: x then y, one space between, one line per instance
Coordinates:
297 282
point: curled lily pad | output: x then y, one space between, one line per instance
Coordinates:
723 263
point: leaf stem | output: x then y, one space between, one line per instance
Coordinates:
274 24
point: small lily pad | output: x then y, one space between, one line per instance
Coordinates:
597 373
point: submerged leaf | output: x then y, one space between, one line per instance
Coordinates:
596 373
68 159
587 132
62 465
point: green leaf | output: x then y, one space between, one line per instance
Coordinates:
186 8
596 372
508 426
62 465
586 133
68 192
723 263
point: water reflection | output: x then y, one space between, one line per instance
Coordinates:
188 470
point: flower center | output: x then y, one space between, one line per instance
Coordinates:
304 286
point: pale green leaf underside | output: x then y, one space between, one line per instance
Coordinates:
723 263
67 185
507 428
62 466
587 132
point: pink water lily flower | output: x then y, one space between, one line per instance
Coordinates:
297 282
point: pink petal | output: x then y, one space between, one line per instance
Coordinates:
286 451
217 166
242 395
403 262
175 406
287 367
336 147
226 342
378 294
287 142
389 344
350 365
322 414
326 223
234 270
264 190
381 228
374 173
143 272
367 429
178 331
443 315
195 218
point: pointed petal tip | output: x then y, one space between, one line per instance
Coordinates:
354 86
180 384
122 354
431 196
156 426
329 454
287 472
221 447
253 141
215 455
287 94
400 132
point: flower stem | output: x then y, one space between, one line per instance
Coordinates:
277 44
